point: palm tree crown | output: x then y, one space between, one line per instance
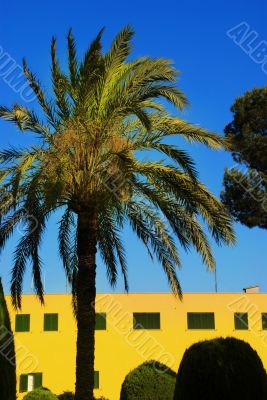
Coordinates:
106 111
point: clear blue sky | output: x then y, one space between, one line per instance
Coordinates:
214 72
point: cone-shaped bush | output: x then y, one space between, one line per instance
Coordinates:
7 353
66 396
149 381
70 396
221 369
40 394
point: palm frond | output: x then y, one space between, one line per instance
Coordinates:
28 249
159 241
177 155
168 92
107 249
21 255
8 225
90 63
40 95
72 59
65 240
60 84
167 126
11 154
25 120
119 50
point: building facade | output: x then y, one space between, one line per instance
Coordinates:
130 329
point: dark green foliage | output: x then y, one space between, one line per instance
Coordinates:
70 396
7 353
40 394
221 369
245 195
101 398
149 381
248 130
66 396
245 192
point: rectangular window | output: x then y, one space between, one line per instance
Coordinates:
241 321
23 383
264 321
50 322
38 380
146 320
22 323
100 321
29 382
96 380
200 320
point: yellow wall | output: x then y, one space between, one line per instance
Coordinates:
120 348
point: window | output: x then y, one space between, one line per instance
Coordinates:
200 320
241 321
50 322
96 380
264 321
146 320
22 323
100 322
29 382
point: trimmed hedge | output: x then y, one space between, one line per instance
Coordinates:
149 381
66 396
7 355
70 396
40 394
221 369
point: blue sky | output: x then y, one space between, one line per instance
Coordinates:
214 72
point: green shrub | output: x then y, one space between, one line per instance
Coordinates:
70 396
40 394
149 381
101 398
7 355
66 396
221 369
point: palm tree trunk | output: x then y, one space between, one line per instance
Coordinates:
86 292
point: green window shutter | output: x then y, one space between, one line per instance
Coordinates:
50 322
146 320
100 321
22 323
96 380
38 380
200 321
241 321
264 321
23 383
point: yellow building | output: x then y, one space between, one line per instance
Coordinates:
129 330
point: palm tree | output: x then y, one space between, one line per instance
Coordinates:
88 165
